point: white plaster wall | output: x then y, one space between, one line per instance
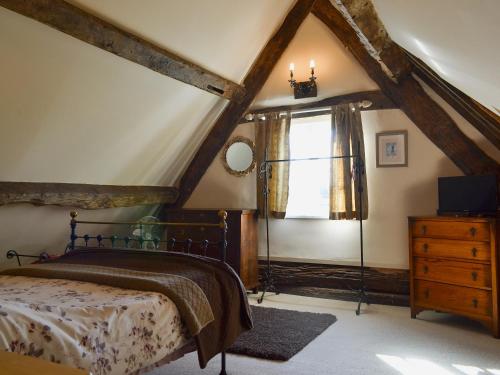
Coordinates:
219 189
394 194
336 69
70 112
32 230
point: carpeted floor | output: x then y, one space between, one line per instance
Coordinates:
382 341
280 334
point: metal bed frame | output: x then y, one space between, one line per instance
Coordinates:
171 245
268 284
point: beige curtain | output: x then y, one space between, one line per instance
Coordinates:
274 133
347 131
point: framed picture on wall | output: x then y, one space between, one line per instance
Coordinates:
392 149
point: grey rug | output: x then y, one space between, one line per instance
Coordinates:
280 334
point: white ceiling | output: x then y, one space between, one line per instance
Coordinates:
71 112
59 90
224 36
454 37
458 39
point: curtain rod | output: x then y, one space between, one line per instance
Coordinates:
301 113
306 159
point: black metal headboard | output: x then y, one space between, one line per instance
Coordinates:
184 245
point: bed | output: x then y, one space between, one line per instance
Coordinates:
114 309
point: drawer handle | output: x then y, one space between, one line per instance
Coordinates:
424 229
202 229
426 247
426 293
475 303
473 231
474 252
426 269
474 275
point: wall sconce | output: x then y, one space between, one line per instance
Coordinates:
307 89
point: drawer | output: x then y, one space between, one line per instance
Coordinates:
452 298
476 275
468 250
459 230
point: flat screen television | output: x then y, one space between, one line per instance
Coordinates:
468 195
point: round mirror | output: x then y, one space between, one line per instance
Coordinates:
239 156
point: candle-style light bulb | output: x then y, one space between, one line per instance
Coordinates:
312 65
291 80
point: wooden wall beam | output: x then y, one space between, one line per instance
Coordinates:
376 97
253 82
384 285
93 30
90 197
410 97
484 120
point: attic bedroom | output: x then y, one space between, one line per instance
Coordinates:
249 187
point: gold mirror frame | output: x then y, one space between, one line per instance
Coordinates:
224 153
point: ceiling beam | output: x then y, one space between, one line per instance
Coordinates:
99 33
90 197
363 18
376 97
410 97
253 82
484 120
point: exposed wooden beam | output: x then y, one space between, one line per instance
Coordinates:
253 82
409 95
93 30
363 18
487 122
376 97
334 276
90 197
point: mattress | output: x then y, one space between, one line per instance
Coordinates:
101 329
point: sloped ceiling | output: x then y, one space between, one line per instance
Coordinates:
224 36
337 70
71 112
456 38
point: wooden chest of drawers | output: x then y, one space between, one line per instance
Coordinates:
454 267
241 238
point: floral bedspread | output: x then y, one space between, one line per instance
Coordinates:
102 329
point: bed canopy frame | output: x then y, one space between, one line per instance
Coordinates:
268 284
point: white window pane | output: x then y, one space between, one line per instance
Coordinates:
309 180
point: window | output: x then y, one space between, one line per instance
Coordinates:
309 181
